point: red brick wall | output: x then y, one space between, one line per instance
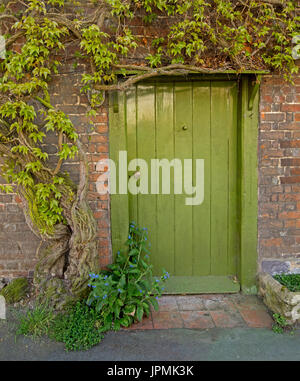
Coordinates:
279 175
278 170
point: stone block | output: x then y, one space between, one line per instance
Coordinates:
2 308
275 267
279 299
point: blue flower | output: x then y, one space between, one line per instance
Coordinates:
157 280
94 286
105 276
129 237
141 290
156 297
97 276
105 296
89 285
106 284
130 265
119 290
166 275
162 288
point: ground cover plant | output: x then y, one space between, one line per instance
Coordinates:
119 297
291 281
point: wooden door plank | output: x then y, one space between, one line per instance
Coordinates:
233 237
202 150
117 140
221 111
183 150
131 115
146 150
164 256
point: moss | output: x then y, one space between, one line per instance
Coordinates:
16 290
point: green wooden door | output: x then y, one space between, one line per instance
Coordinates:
197 245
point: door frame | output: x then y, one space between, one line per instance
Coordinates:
247 124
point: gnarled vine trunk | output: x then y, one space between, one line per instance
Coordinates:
70 253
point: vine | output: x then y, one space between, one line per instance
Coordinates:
179 37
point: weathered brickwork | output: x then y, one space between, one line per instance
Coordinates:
279 175
278 170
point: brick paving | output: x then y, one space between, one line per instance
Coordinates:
207 311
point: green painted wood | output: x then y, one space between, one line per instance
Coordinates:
119 202
183 143
233 232
248 189
165 202
131 125
201 284
202 149
187 241
223 175
146 150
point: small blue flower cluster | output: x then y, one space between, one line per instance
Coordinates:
166 275
93 276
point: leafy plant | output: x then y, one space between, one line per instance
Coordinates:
126 292
280 323
291 281
36 322
77 328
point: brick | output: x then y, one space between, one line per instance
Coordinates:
167 319
290 180
290 144
257 318
190 303
197 319
273 116
224 319
291 107
168 303
271 242
291 162
289 215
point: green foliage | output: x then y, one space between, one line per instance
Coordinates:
77 328
126 292
119 296
24 75
37 322
237 34
280 323
16 290
291 281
